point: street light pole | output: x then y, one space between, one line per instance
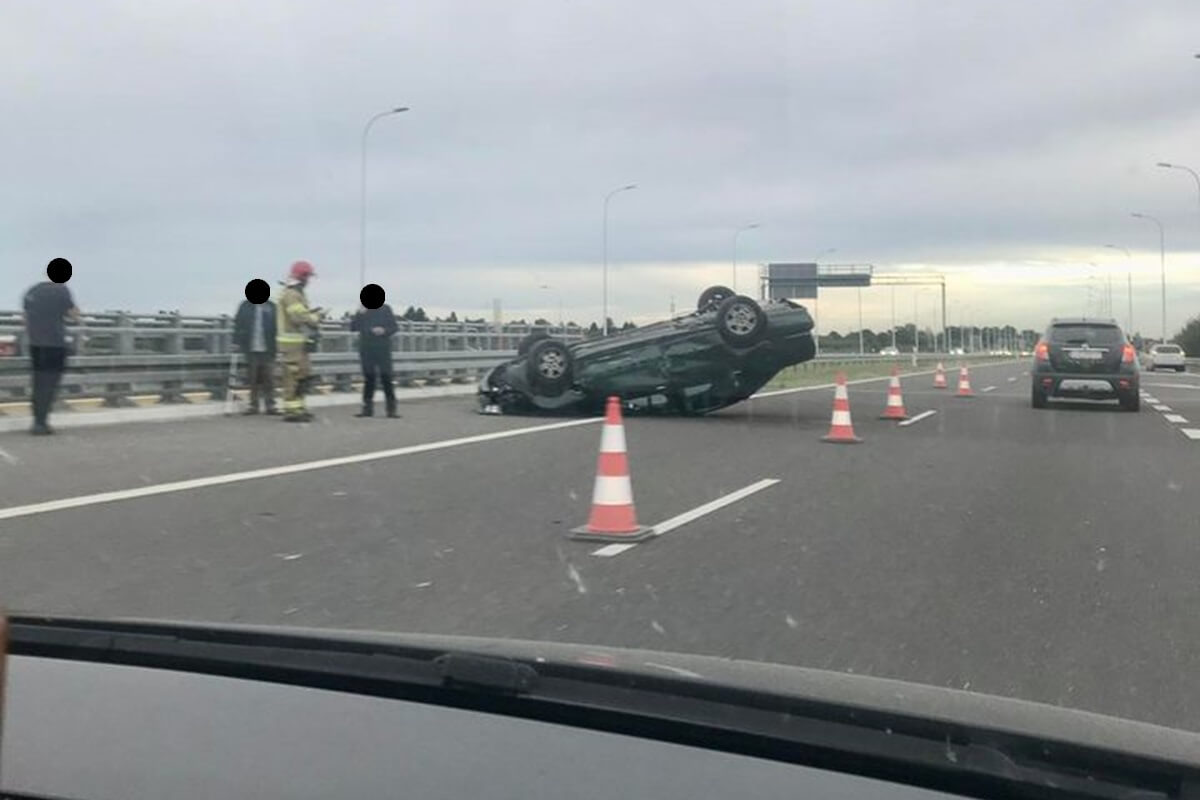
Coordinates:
362 221
608 197
1162 260
1187 169
860 329
736 234
1128 285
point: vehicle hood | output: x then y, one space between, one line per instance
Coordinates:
949 706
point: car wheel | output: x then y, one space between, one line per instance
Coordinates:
549 367
1132 402
1181 369
713 295
741 321
530 340
1038 398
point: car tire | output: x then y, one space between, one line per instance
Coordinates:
549 367
1132 402
741 321
1038 398
712 296
529 341
1181 369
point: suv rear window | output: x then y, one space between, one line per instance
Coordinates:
1170 349
1092 335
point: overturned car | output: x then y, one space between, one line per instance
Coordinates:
718 355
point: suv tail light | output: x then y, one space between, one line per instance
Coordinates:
1042 351
1128 354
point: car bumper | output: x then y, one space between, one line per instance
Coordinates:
1086 386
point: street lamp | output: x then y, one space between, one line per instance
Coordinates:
1184 168
362 222
1128 284
736 234
1162 260
608 197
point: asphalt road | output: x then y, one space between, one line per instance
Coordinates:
1048 555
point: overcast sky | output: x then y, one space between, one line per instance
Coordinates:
174 150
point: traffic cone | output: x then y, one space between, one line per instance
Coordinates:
841 428
895 403
939 377
964 383
613 518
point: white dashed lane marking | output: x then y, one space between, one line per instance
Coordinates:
1176 418
918 418
989 388
1163 408
1191 433
1013 378
671 524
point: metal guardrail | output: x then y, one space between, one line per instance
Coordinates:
127 334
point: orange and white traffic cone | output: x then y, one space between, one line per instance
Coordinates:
939 377
613 518
895 403
841 427
964 383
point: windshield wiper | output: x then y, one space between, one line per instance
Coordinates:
902 748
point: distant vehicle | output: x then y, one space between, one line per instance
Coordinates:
1085 358
889 351
957 351
720 354
1166 356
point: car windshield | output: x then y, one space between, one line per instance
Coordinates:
783 332
1095 335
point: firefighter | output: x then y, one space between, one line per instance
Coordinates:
296 322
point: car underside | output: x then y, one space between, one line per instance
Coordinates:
718 355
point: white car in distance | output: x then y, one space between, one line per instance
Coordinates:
1166 356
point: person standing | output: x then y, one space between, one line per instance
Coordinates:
376 324
47 306
295 322
254 333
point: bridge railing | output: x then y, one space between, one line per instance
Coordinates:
127 334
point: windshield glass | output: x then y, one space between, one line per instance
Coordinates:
1168 349
694 327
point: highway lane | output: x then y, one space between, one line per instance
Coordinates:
1049 555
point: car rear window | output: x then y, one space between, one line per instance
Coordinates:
1095 335
1167 348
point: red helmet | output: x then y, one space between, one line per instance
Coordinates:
302 271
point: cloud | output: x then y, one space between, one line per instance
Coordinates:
173 150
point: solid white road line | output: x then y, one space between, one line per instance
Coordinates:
918 418
270 472
1176 418
613 550
1191 433
1163 408
696 513
989 389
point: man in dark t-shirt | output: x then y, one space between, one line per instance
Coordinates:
47 306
